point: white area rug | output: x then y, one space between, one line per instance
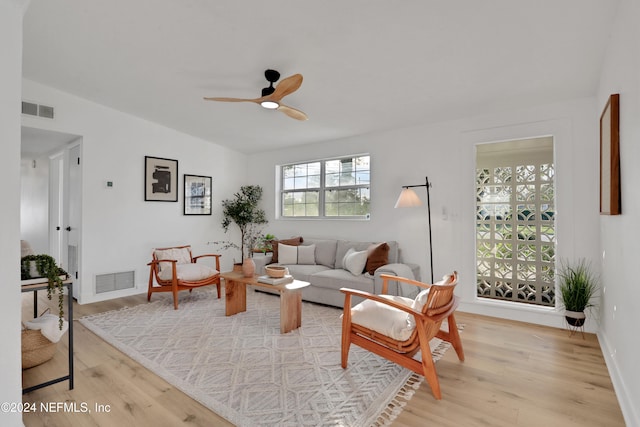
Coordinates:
243 369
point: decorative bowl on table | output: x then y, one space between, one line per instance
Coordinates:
275 271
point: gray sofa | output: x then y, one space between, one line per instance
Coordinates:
328 274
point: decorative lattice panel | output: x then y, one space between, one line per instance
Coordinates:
515 230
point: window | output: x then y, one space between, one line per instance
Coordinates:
334 188
515 221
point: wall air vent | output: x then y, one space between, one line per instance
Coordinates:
33 109
29 108
115 281
45 111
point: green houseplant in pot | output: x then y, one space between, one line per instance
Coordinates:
578 287
243 210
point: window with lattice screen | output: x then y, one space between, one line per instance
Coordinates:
515 221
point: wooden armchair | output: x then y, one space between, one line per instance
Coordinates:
176 269
396 327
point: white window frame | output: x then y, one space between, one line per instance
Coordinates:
321 189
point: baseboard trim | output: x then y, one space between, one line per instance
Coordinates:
629 410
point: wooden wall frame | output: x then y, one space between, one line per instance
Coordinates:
610 203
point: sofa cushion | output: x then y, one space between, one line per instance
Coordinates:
338 278
294 241
355 261
287 254
307 254
325 251
305 272
344 245
377 256
394 252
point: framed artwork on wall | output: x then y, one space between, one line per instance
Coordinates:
610 203
160 179
197 195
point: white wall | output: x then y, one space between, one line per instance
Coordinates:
119 229
445 152
620 304
11 12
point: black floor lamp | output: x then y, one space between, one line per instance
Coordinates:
408 199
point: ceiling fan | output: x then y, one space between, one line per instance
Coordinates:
271 96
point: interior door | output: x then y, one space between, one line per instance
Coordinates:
74 216
57 244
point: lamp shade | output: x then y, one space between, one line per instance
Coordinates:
408 199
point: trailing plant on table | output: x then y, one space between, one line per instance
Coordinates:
46 267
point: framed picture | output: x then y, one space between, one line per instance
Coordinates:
197 195
610 203
160 179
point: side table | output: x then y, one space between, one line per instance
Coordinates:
235 293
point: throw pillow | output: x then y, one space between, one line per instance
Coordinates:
182 255
307 254
294 241
354 261
377 257
422 298
287 254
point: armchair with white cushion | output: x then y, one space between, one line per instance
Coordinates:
397 328
176 269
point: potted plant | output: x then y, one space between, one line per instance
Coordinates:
264 244
243 210
578 286
42 265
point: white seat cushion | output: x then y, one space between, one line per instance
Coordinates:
384 319
189 272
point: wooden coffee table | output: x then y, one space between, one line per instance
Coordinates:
235 296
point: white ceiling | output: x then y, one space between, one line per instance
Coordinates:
368 65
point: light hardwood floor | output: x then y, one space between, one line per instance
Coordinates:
515 374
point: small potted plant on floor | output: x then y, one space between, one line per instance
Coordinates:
578 287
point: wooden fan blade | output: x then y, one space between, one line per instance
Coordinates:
257 101
286 87
293 113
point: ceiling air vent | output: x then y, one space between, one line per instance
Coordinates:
33 109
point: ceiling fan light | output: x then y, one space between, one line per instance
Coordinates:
270 105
